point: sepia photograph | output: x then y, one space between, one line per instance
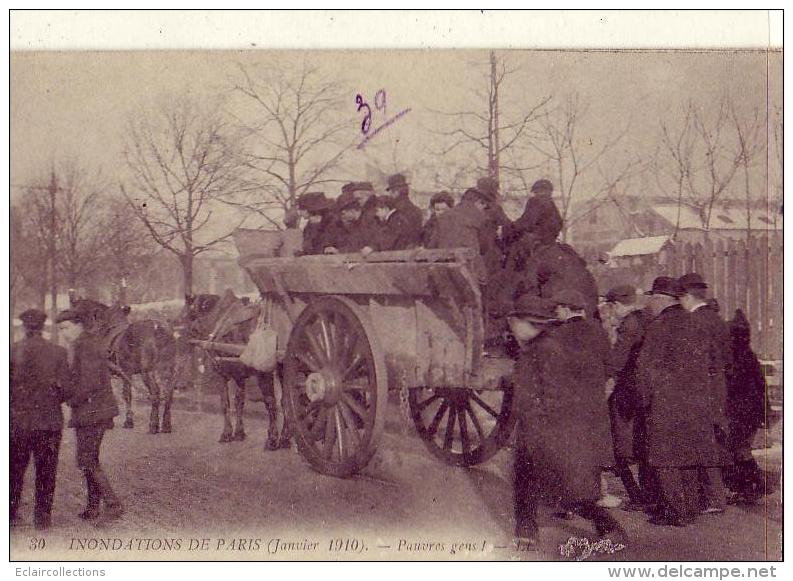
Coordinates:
395 304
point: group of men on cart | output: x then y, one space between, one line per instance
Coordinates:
679 392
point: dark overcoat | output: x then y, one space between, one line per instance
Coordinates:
313 235
713 345
746 387
40 383
346 238
92 400
540 219
414 219
554 267
392 234
622 368
670 377
463 227
561 404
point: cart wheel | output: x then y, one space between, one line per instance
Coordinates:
336 387
463 427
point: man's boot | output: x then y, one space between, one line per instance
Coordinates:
91 511
113 506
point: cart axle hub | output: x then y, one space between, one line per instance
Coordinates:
322 386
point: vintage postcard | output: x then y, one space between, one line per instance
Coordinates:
518 302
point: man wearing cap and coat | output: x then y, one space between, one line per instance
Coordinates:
40 383
496 224
440 203
628 426
414 218
315 207
345 233
464 227
551 268
711 345
669 380
563 433
540 222
93 408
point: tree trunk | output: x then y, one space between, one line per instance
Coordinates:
187 273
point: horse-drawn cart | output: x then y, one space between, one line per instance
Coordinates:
352 328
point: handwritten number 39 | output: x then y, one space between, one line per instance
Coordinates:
379 103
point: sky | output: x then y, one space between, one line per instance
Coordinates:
76 104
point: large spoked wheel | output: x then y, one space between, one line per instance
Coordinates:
463 427
335 386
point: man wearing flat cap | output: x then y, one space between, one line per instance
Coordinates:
562 419
464 227
344 234
93 407
628 426
712 348
496 224
551 268
40 383
399 190
669 393
540 222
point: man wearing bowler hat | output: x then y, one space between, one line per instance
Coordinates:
399 190
711 347
563 438
628 427
40 383
315 208
670 395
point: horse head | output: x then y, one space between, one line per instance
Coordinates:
198 315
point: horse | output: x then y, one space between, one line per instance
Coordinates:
228 319
146 348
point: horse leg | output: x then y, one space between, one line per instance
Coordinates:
239 407
286 432
166 426
265 381
126 393
154 400
225 405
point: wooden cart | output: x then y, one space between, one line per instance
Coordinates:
352 328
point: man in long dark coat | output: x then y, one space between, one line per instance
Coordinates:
554 267
669 386
746 412
628 427
496 224
93 409
40 383
563 437
712 345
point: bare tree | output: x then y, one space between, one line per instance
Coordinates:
29 249
718 158
494 132
80 232
183 158
566 152
297 133
126 248
674 159
750 136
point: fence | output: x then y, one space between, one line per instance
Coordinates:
740 276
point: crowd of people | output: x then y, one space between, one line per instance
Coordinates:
677 392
